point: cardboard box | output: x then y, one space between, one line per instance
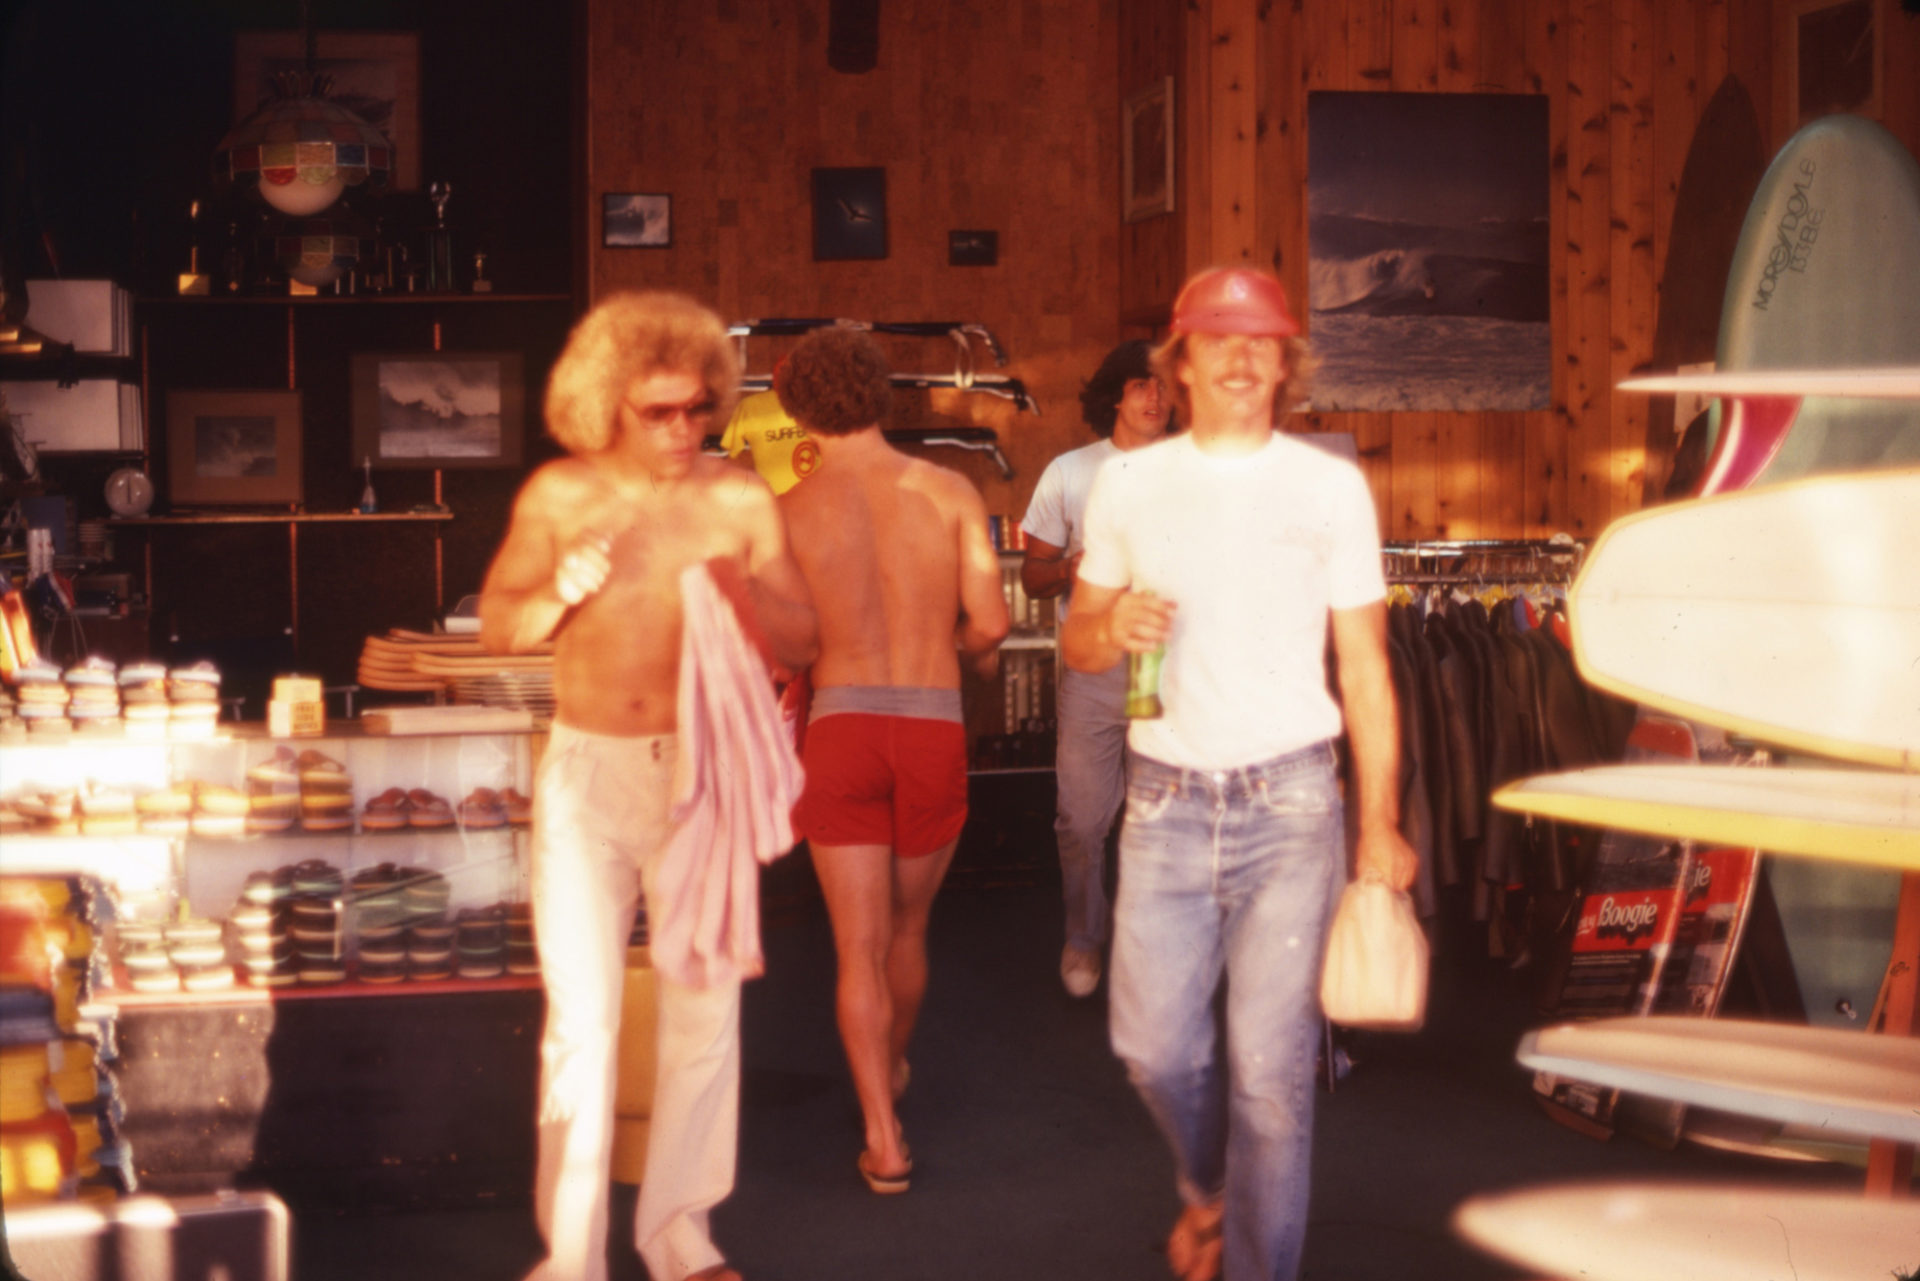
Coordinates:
296 689
301 718
93 315
95 415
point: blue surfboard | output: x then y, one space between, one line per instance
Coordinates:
1827 275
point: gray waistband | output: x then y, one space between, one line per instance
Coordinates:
922 702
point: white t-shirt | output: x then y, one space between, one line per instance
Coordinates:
1253 549
1057 511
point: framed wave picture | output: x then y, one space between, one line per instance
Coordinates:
1428 250
438 409
233 447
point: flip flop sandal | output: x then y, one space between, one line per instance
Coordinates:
884 1184
1194 1248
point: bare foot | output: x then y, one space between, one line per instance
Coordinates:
1194 1247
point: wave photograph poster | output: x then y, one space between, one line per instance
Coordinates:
1427 230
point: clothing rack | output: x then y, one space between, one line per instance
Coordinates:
1482 560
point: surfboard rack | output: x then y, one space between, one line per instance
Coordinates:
980 440
1796 514
1853 609
963 335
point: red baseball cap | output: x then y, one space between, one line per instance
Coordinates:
1233 300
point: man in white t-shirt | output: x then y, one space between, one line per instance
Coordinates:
1126 406
1237 547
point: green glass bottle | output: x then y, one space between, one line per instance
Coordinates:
1143 684
1143 681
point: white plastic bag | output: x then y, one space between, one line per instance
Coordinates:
1375 974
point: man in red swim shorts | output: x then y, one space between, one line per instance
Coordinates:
907 586
887 765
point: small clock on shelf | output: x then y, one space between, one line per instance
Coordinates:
129 492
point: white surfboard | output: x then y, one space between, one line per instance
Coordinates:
1788 614
1871 384
1849 1083
1868 817
1696 1232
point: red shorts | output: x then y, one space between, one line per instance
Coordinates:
884 780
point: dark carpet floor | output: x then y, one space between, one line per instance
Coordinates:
1033 1157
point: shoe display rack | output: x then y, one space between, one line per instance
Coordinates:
240 900
1016 731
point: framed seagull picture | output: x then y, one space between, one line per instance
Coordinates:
849 213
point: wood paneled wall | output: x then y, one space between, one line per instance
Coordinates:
1628 83
999 115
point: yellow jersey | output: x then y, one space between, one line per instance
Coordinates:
782 454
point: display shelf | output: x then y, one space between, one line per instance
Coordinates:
279 518
1025 640
1839 1081
140 864
205 873
346 300
31 838
107 1002
55 363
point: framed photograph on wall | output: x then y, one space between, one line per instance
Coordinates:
973 248
446 409
636 220
1146 151
1834 63
849 213
233 447
376 75
1430 254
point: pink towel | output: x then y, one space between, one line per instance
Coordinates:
734 788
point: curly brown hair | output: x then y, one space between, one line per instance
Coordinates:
835 382
628 336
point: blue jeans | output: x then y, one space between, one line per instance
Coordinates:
1090 773
1233 872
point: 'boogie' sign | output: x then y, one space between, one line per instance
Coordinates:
1620 920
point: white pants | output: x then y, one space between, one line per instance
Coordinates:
601 808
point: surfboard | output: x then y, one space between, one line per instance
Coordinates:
1760 407
1724 162
1867 817
1849 1082
1695 1232
1826 274
1868 384
1788 614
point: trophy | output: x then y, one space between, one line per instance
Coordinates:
193 280
439 242
481 285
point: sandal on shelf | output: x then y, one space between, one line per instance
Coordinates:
387 811
884 1184
482 808
428 810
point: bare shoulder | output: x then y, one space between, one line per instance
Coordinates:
952 492
559 485
733 491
